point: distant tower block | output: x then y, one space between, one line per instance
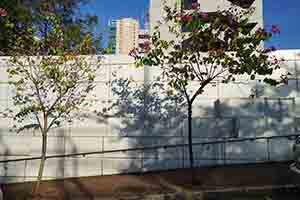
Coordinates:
127 35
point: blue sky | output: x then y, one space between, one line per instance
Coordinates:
285 13
113 9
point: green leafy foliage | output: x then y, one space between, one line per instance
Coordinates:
219 45
29 20
51 87
207 47
50 76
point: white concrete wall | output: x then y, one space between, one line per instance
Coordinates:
153 118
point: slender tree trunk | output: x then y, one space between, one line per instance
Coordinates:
44 131
42 165
190 139
190 131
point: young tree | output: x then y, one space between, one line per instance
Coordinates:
50 88
210 46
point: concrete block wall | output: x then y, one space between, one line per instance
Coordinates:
148 117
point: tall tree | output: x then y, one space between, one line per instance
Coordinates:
213 46
25 16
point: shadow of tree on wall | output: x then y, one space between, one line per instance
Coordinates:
4 166
9 172
150 117
72 187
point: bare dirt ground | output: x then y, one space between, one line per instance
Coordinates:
211 180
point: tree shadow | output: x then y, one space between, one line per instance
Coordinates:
151 118
150 115
71 187
9 172
4 167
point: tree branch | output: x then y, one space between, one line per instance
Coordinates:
36 87
39 122
184 90
200 89
218 74
200 78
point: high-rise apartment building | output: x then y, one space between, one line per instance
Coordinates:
127 35
156 12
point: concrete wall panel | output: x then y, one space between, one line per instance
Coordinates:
223 110
125 126
3 74
236 89
281 149
245 152
203 107
12 169
15 145
83 144
246 107
93 125
118 166
252 127
3 91
83 166
55 145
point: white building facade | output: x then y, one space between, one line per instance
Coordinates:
156 11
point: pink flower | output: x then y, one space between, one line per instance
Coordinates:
187 18
3 12
147 45
195 6
275 29
204 15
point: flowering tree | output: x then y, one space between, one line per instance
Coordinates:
210 46
51 86
22 16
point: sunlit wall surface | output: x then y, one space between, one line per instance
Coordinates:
134 110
